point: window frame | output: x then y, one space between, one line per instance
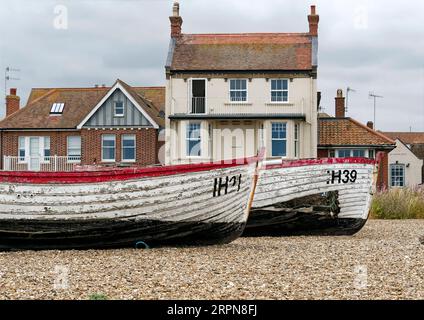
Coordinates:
123 147
282 90
114 147
67 150
44 139
285 125
188 139
403 176
296 140
238 90
114 109
22 159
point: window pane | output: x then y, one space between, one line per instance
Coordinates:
273 84
285 85
397 175
243 84
278 148
46 143
284 96
108 153
344 153
119 108
128 154
128 141
193 140
232 84
358 153
108 150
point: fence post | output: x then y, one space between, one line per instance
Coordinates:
55 163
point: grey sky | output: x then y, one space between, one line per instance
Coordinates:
373 45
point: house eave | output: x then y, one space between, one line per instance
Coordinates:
359 146
237 116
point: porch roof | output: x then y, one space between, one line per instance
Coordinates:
257 116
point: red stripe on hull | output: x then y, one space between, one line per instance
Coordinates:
323 161
115 174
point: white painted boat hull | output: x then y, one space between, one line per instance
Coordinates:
278 209
187 209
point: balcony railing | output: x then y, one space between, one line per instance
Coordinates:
198 105
44 164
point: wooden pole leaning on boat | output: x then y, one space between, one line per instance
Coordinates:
259 157
379 159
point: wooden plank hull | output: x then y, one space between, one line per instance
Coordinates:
193 208
320 197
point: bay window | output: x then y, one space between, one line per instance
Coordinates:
279 139
193 140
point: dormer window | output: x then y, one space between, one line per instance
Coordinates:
119 109
57 108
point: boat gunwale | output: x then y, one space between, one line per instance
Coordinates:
316 162
118 174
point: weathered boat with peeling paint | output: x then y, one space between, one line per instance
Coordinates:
198 204
306 197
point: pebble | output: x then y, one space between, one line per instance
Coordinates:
384 261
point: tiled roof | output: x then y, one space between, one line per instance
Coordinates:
406 137
246 51
349 132
78 104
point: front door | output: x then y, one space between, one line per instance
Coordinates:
34 154
237 141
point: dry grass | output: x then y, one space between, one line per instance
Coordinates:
406 203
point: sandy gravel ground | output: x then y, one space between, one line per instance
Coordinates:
384 261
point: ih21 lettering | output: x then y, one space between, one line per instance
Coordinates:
222 185
345 176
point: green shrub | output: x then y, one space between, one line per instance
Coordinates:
98 296
398 203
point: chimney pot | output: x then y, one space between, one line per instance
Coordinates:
176 9
340 104
13 91
370 125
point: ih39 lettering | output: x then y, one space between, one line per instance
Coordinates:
339 176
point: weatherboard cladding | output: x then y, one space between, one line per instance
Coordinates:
104 116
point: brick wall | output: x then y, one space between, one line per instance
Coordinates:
146 145
58 141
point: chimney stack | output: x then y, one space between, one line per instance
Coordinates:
12 102
313 20
370 125
176 21
340 104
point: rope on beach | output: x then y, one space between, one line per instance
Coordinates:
143 244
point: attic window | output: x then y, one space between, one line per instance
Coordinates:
57 108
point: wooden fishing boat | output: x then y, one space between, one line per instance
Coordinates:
321 196
196 204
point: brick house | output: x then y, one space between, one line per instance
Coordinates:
227 95
406 161
60 127
344 137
